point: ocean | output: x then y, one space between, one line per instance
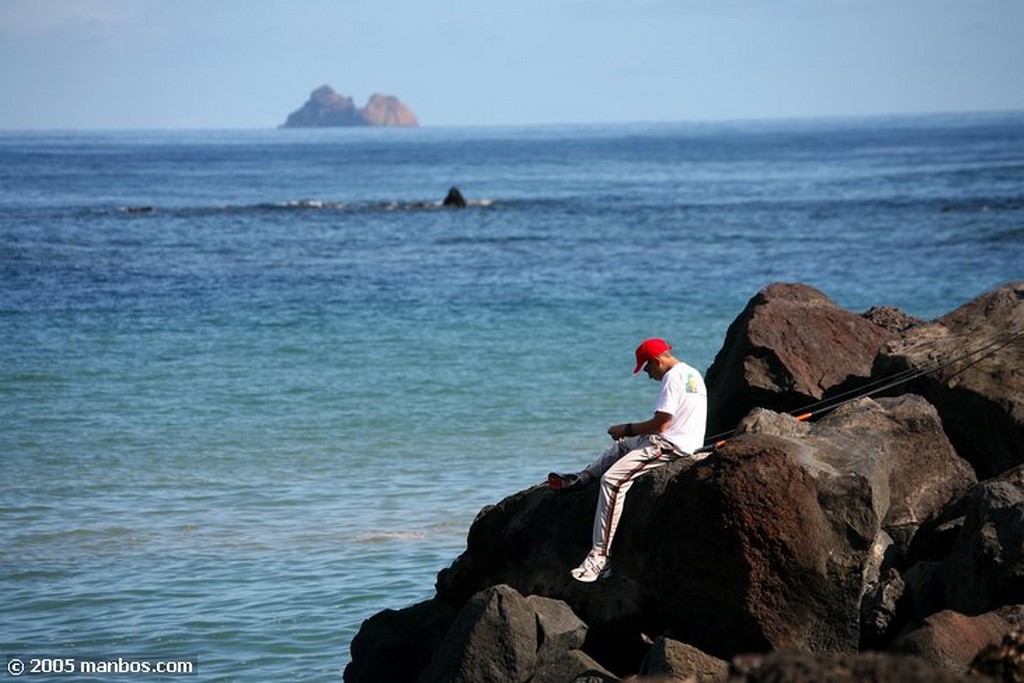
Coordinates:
255 385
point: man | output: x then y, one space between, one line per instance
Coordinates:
676 430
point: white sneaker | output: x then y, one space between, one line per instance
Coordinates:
595 566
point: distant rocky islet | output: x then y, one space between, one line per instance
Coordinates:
326 108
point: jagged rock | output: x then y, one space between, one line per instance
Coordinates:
881 610
493 639
501 636
972 551
559 630
949 640
395 645
981 397
790 347
803 667
680 661
327 109
892 318
926 471
985 568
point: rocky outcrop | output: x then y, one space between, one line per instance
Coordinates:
977 377
790 347
326 109
817 545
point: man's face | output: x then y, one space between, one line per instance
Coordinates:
655 368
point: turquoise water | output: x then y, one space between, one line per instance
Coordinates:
256 385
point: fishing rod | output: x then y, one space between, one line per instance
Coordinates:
885 383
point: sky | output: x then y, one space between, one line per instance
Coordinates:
225 64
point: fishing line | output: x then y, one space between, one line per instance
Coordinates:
885 383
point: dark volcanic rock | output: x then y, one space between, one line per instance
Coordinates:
396 645
494 638
985 567
500 636
926 472
765 545
981 396
454 199
327 109
789 348
861 529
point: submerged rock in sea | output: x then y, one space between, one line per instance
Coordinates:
808 541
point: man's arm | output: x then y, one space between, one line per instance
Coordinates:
656 425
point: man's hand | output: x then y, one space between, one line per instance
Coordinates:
618 431
656 425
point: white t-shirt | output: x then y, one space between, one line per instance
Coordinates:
684 397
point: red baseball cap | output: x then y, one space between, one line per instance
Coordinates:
648 349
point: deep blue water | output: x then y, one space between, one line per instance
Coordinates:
242 419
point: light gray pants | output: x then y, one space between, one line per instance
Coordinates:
618 467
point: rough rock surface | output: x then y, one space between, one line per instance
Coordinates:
950 641
980 396
766 545
680 661
501 636
494 638
327 109
975 547
790 347
927 472
803 667
810 541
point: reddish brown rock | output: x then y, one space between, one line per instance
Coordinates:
386 110
949 640
789 348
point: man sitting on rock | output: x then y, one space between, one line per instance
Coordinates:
676 430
